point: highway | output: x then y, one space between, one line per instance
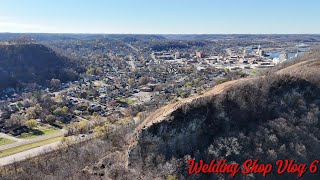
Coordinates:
20 142
39 150
28 154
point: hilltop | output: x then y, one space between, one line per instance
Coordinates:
32 63
267 118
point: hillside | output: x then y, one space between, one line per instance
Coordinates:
268 118
32 63
275 116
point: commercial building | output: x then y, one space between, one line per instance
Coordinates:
200 54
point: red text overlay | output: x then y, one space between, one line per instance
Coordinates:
252 166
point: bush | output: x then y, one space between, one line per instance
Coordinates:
51 119
61 111
32 123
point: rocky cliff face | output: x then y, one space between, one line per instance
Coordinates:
176 137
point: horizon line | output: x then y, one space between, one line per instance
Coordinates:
160 33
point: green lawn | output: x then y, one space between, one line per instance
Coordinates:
4 141
99 83
126 100
39 131
25 147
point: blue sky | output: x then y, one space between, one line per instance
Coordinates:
161 16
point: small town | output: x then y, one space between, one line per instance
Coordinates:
159 90
125 83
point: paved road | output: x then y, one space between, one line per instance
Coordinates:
2 135
135 49
39 150
129 45
131 63
28 154
28 141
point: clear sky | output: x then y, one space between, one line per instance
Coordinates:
161 16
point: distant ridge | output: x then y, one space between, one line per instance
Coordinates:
32 63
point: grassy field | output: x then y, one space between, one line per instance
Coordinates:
126 100
4 141
39 131
25 147
99 83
